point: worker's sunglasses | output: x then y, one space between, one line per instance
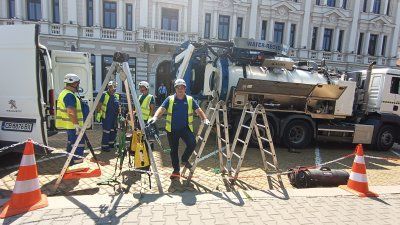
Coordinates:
180 87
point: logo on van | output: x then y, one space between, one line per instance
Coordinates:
13 106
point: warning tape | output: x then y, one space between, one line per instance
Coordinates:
382 158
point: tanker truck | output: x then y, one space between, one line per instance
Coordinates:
305 102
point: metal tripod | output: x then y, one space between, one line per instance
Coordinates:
120 66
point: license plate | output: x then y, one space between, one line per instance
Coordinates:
17 126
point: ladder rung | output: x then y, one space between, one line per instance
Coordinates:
201 138
264 139
272 165
268 152
221 110
241 141
235 154
224 154
222 139
251 112
260 125
247 127
221 124
212 108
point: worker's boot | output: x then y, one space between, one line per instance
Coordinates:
175 175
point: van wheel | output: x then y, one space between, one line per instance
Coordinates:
297 134
385 138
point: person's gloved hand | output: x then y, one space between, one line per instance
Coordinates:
206 121
152 120
77 129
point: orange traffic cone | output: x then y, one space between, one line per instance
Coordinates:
26 194
358 182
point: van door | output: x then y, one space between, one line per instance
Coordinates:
22 106
65 62
391 95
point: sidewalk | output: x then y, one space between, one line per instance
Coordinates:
293 206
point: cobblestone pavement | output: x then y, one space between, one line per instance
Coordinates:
323 206
252 176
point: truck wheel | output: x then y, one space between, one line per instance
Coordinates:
297 134
385 138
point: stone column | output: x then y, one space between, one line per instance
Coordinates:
336 39
4 9
379 45
45 10
96 13
270 30
71 28
340 3
286 35
234 24
154 15
194 23
253 19
366 43
185 19
215 20
352 41
394 46
98 72
370 7
120 14
305 30
144 9
19 9
384 6
320 38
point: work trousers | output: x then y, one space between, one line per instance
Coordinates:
173 138
109 133
81 147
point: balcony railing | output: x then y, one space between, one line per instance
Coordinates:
87 32
128 36
165 36
108 34
55 29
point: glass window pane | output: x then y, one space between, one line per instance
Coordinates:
169 19
11 9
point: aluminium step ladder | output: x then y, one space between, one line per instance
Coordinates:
269 160
213 113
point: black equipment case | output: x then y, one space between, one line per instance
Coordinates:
302 177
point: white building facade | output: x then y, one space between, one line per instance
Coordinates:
349 34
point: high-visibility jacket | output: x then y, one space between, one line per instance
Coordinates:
103 110
168 121
62 119
145 106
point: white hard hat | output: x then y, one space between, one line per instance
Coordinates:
112 83
71 78
179 82
144 84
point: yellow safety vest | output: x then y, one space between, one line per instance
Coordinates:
102 113
146 106
168 121
62 119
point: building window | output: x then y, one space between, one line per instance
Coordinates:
207 25
388 8
326 44
89 13
360 43
377 7
128 16
344 4
169 19
239 26
110 15
56 11
34 10
365 5
331 3
373 39
93 69
395 85
264 30
318 2
384 41
11 9
292 37
223 27
340 41
314 38
278 32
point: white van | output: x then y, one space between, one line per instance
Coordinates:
31 80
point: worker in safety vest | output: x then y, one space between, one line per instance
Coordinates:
107 111
179 124
69 115
146 100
